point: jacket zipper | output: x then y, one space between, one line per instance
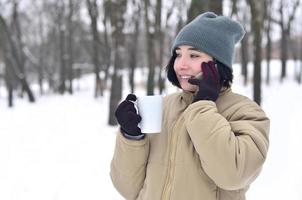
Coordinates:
171 165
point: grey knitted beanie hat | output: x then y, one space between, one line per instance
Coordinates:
212 34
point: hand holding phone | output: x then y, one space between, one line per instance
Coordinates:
208 83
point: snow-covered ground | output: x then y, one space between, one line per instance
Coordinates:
60 148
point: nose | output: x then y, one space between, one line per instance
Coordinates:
183 62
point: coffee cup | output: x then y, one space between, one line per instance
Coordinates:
150 108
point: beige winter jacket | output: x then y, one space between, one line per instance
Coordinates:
206 151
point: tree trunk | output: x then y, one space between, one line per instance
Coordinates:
133 55
283 47
8 73
197 7
257 65
216 6
115 96
93 12
70 46
285 34
257 20
62 52
14 60
162 73
133 45
300 75
244 58
159 38
62 86
117 23
269 42
244 50
116 91
150 51
18 43
9 85
107 51
283 54
41 55
8 76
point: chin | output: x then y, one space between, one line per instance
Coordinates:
188 87
188 90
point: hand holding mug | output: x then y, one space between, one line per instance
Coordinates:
127 116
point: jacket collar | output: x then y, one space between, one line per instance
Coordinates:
187 97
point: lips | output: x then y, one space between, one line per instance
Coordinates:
185 77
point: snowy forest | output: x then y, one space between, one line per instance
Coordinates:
53 43
65 65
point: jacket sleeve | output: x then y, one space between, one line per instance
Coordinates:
128 166
231 151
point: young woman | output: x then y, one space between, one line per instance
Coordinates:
213 142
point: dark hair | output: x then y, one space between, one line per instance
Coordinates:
225 73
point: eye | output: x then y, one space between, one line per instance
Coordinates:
194 56
178 54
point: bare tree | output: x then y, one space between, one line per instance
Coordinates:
133 43
161 35
285 30
8 73
14 51
245 54
197 7
241 14
70 30
117 23
107 51
39 44
61 26
216 6
19 44
9 80
300 75
150 48
268 27
159 41
93 13
257 8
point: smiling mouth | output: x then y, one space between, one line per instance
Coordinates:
186 77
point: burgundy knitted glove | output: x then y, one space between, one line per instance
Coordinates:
209 85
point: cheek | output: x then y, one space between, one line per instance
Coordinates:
196 66
175 66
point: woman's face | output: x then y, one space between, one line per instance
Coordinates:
188 65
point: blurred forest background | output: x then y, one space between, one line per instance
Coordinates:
52 43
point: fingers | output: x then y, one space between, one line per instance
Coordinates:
130 107
131 97
126 106
138 130
204 69
194 81
213 69
134 118
209 70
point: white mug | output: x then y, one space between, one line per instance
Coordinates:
150 108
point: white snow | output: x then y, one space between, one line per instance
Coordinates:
60 148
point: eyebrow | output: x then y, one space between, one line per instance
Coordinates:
195 49
191 48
